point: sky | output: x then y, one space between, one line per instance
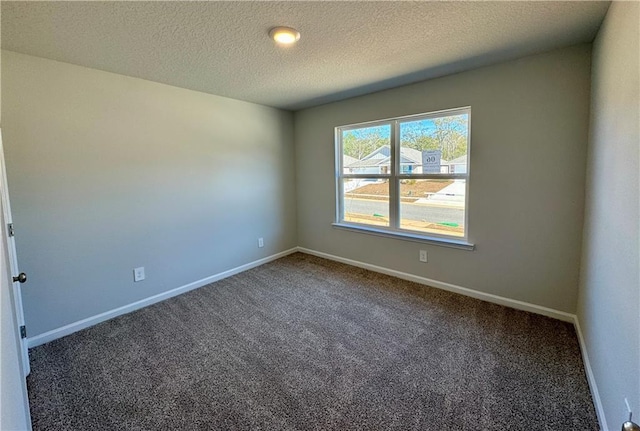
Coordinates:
424 127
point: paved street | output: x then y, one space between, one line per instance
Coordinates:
418 212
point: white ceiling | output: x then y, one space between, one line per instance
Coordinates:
347 48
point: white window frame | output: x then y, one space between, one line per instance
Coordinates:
394 177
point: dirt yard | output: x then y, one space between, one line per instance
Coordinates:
410 191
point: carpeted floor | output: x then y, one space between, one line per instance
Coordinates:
304 343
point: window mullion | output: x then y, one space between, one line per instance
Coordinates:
339 216
394 185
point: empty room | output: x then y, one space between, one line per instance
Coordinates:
301 215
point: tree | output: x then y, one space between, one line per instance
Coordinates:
451 134
447 134
363 144
418 140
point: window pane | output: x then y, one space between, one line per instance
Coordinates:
366 150
433 206
434 145
366 201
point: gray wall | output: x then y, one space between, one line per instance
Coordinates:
609 300
529 126
108 173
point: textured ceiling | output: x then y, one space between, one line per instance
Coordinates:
346 49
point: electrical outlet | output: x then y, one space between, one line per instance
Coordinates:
423 255
260 242
138 274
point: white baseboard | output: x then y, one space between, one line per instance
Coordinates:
94 320
488 297
591 378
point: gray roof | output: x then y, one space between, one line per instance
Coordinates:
411 154
370 162
462 160
348 160
381 157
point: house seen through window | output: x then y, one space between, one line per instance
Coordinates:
406 175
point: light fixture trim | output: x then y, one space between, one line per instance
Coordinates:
284 35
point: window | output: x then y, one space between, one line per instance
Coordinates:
406 176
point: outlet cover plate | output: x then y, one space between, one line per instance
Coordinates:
138 274
423 255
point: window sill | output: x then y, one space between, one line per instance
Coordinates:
443 242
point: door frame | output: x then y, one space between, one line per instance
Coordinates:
13 259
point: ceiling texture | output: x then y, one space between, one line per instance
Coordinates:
347 48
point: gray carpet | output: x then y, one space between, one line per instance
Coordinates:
304 343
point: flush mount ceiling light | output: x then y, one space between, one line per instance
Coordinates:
284 35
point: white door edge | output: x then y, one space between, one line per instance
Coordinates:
13 259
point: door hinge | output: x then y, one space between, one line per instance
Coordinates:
10 229
23 331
